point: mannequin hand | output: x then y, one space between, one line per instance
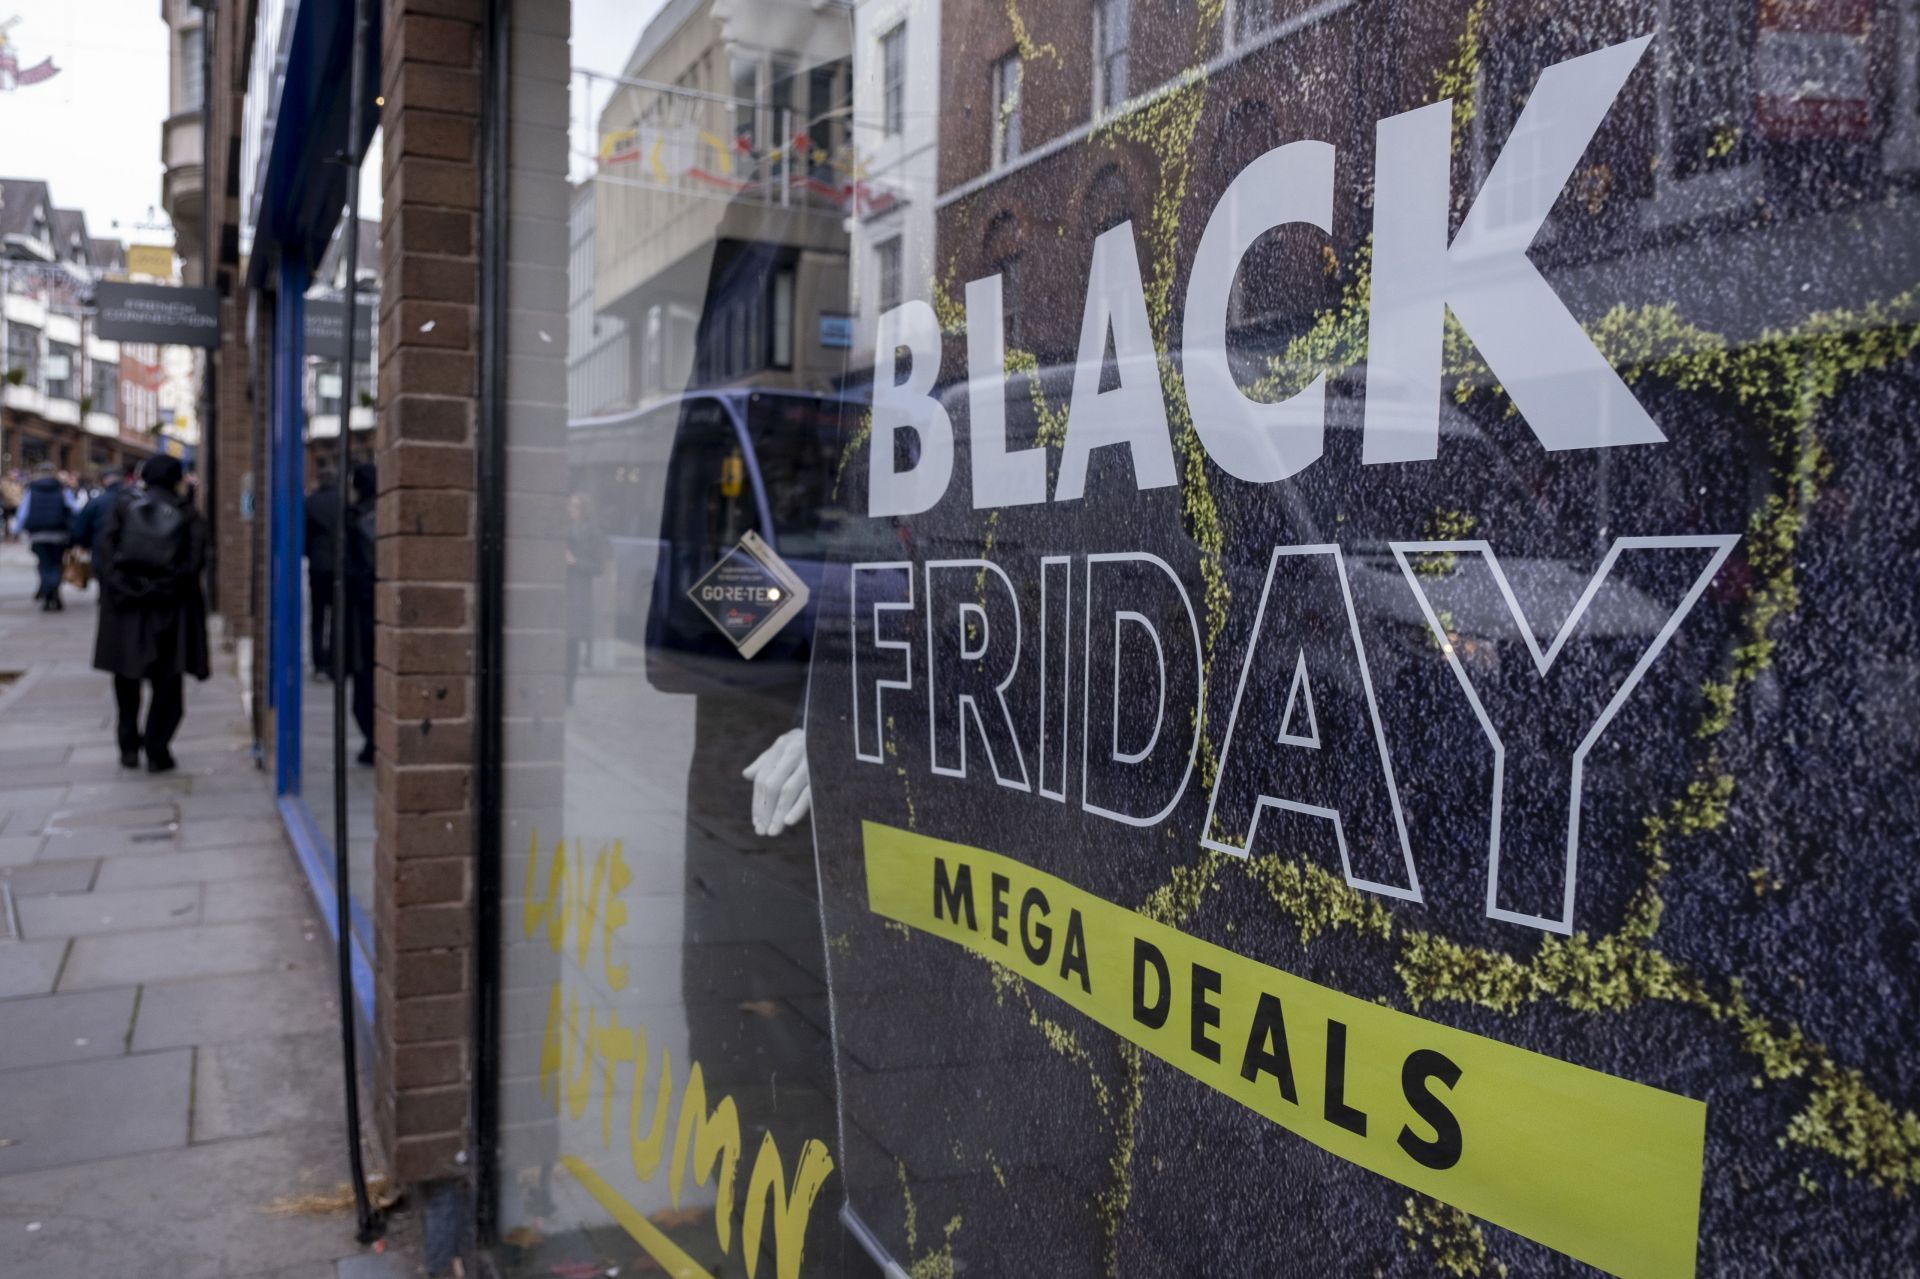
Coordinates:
782 789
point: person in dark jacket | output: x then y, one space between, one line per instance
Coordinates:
588 550
322 523
360 582
90 525
153 618
45 517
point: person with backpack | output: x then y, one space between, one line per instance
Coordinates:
153 617
46 517
90 525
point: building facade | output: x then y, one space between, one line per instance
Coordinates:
1102 636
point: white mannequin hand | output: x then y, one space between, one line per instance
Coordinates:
782 789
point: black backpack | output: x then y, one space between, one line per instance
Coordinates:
46 511
152 533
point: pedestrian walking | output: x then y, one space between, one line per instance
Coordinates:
361 576
90 525
153 618
45 518
322 527
588 550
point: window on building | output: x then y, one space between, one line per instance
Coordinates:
1006 110
193 67
1110 35
887 260
893 79
1710 82
104 387
61 375
746 96
1012 299
23 355
782 318
1251 18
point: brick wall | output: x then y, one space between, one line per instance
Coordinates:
424 647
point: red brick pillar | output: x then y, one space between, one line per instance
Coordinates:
423 698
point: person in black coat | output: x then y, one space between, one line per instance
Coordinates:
153 617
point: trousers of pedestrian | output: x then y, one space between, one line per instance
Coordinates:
320 617
48 557
163 713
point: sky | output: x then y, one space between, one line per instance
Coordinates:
93 131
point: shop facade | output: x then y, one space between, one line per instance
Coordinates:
1110 638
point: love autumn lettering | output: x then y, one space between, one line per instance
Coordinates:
576 904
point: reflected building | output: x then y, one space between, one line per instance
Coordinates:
719 194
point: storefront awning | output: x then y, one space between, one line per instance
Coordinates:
305 187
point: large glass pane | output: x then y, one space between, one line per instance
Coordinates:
332 398
1332 577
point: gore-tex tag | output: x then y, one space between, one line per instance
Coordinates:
750 594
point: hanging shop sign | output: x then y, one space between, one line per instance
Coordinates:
326 329
163 314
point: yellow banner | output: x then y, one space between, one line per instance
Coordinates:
1600 1168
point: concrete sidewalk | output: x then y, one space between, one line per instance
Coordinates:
169 1052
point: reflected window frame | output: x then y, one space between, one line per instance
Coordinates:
1008 74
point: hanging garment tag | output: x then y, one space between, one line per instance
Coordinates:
750 594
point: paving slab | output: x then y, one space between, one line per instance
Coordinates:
63 1028
58 1116
139 810
18 850
65 845
87 914
265 1084
259 899
176 954
204 866
29 967
193 1213
254 800
218 1010
227 832
385 1265
49 877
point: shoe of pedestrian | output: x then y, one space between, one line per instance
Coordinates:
130 759
159 762
59 605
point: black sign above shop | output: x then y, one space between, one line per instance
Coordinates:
326 328
164 314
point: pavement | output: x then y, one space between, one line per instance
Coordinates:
169 1053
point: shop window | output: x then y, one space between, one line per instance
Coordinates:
1110 39
1006 110
886 258
893 85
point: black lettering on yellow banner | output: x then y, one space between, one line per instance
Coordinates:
1603 1169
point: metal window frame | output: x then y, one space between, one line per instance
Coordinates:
490 619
